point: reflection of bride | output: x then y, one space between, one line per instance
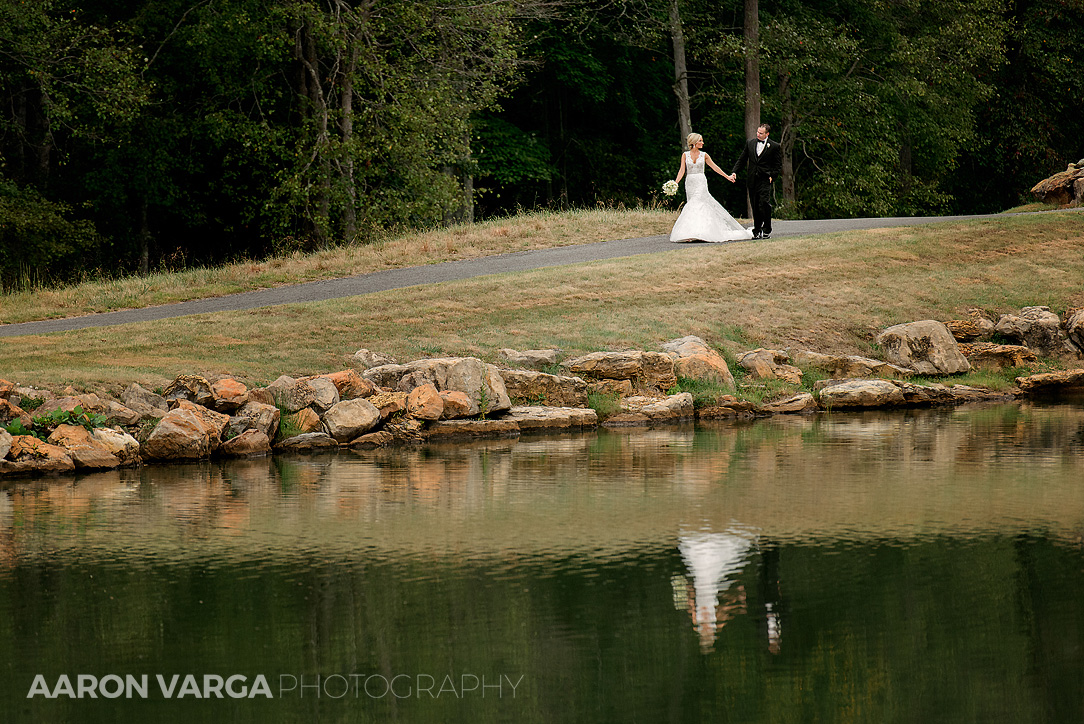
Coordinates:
703 218
714 560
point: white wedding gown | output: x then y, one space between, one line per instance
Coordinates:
704 218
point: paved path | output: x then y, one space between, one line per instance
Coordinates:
435 273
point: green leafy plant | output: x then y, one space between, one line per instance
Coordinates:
605 404
42 425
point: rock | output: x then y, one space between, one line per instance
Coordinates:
802 402
249 443
1074 327
135 397
534 359
456 404
294 395
229 395
261 395
618 388
1050 382
646 371
537 417
642 409
425 403
122 445
308 421
1036 327
481 382
68 403
972 329
367 359
308 442
768 364
350 384
924 395
1061 189
10 413
192 388
694 360
386 376
351 418
118 414
727 407
255 416
540 387
445 429
380 438
28 454
406 430
927 347
7 389
988 356
849 366
85 451
390 403
861 394
184 433
5 443
964 393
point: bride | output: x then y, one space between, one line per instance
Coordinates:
703 218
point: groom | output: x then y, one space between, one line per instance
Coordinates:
765 162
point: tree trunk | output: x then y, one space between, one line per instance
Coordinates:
144 239
752 76
787 136
681 73
350 220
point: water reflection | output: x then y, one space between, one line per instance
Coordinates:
628 575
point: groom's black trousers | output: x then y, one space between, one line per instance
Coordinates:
760 197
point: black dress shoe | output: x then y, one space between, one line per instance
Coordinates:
765 236
756 234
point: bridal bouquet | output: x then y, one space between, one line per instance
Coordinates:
670 187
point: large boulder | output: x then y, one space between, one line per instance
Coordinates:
136 398
537 417
256 416
534 359
768 364
695 360
1048 383
308 442
1062 189
927 347
28 454
192 388
852 394
293 395
229 395
849 366
647 371
989 356
350 384
5 443
85 450
187 432
425 403
1035 327
547 389
350 419
481 382
803 402
642 409
367 359
249 443
122 445
1074 327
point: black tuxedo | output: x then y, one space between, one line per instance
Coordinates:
768 165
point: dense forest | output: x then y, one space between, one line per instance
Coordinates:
138 135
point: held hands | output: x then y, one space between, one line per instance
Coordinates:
731 178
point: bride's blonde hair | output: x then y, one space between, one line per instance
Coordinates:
692 139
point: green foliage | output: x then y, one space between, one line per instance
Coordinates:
43 425
39 239
604 404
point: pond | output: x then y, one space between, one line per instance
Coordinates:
864 567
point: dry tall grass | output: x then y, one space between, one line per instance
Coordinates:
829 293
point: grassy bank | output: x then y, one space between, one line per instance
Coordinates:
829 293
